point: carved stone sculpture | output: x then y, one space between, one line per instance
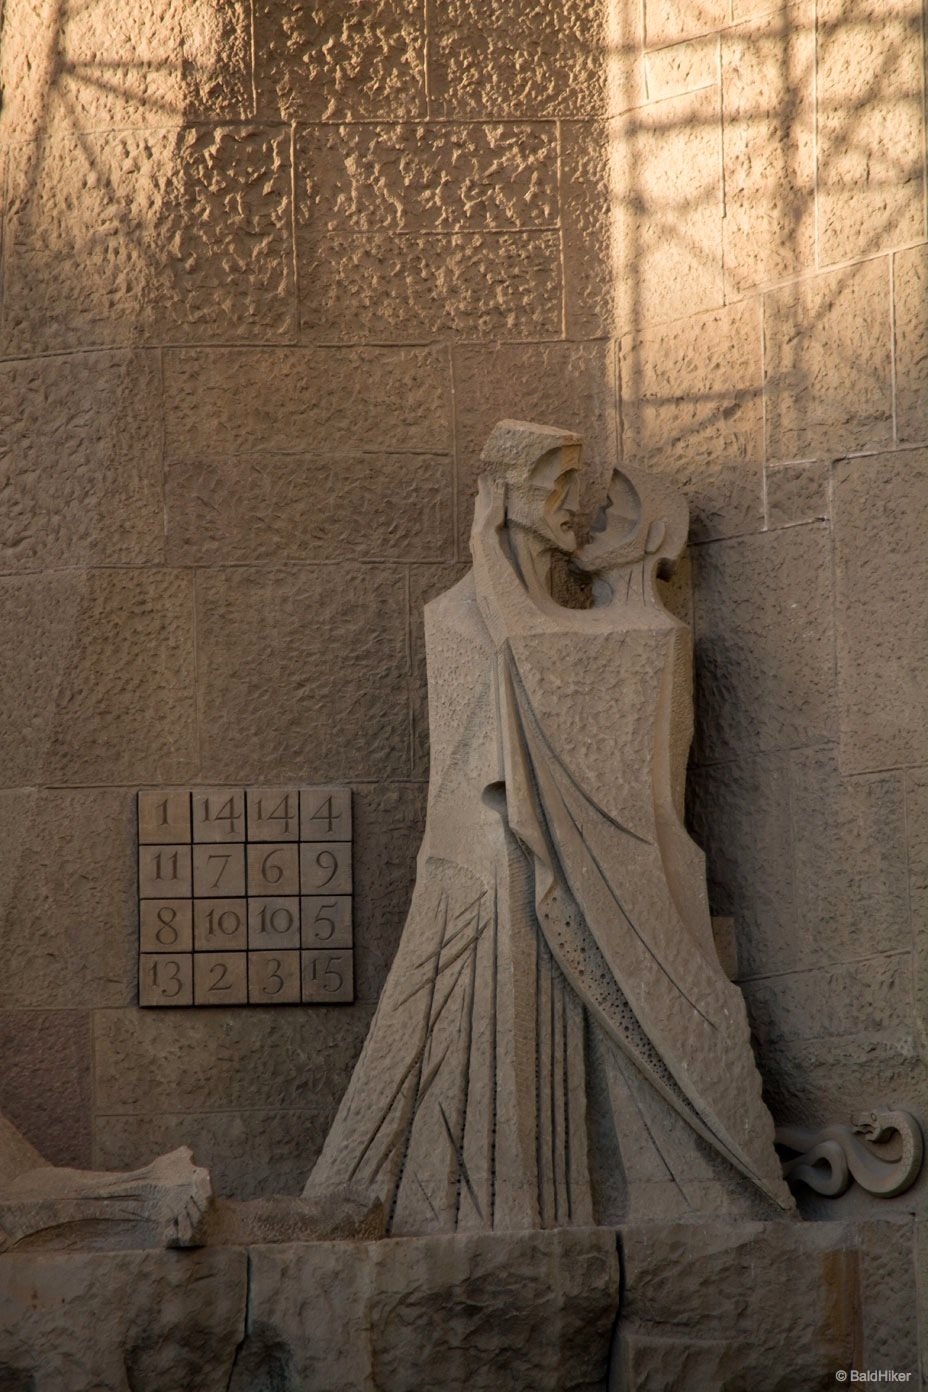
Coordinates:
164 1204
557 1043
882 1151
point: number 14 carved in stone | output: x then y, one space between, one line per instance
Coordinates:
245 896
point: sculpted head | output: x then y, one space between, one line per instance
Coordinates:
540 465
643 515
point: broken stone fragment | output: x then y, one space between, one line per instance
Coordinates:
341 1215
164 1204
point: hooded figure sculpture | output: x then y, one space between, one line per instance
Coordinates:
556 1042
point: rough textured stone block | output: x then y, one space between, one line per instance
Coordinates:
254 401
309 507
106 677
887 1279
403 289
45 1082
626 84
531 1312
739 814
871 169
425 583
516 58
828 373
881 514
910 275
109 1321
810 865
152 275
586 196
682 67
67 897
248 1153
461 177
712 1305
569 384
870 998
666 21
692 407
390 819
811 1079
798 493
96 411
668 216
849 861
769 144
303 668
917 828
764 668
331 62
149 1062
127 64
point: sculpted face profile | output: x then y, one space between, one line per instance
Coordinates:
556 1042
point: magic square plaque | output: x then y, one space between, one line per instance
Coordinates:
245 896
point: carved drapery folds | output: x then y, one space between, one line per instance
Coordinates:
557 1042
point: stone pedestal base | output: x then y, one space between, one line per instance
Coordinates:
521 1312
770 1307
764 1307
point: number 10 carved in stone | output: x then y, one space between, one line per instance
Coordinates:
245 896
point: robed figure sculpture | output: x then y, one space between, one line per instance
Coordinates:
557 1042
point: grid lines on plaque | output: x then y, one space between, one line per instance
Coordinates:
245 896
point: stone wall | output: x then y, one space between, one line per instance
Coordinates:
269 274
772 355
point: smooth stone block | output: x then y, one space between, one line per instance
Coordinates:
273 869
164 872
219 815
220 925
326 921
274 978
325 814
273 814
165 925
273 924
218 870
220 978
164 816
325 866
328 977
165 978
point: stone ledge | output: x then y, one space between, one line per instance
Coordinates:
705 1306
